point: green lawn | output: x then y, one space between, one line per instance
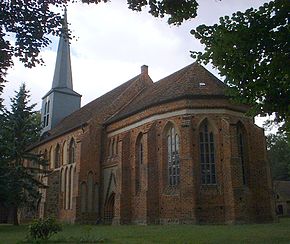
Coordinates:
254 233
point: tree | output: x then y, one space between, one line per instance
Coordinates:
279 156
252 51
20 128
31 22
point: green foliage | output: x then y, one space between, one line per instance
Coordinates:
19 128
178 11
252 51
31 23
279 156
44 228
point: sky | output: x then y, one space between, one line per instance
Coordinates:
113 42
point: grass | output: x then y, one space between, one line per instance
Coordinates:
251 233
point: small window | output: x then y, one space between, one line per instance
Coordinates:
48 103
45 120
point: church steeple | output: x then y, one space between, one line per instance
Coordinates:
62 74
61 100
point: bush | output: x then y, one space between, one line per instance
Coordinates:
44 228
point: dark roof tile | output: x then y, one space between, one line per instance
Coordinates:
97 107
191 81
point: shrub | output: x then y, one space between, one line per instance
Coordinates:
44 228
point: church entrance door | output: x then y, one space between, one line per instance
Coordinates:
109 209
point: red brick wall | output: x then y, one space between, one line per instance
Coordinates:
229 201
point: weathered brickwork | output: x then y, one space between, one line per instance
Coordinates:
129 168
228 201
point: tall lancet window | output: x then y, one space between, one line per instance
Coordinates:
139 162
46 114
173 157
57 156
242 151
72 148
207 154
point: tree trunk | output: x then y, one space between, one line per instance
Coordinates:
15 216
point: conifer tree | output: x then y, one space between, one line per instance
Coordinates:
19 168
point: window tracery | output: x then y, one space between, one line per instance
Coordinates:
173 160
207 154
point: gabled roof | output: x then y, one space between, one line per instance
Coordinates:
98 107
191 81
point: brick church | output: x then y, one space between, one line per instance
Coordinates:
172 151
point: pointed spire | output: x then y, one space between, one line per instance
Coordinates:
62 74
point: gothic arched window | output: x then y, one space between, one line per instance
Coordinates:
71 151
73 179
242 150
83 197
65 186
57 156
68 188
173 157
64 153
138 163
52 158
111 147
96 206
90 191
46 160
207 154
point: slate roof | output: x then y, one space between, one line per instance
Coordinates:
184 83
62 90
282 188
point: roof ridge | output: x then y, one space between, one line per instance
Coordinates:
175 73
141 77
111 91
212 75
121 109
182 84
88 109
